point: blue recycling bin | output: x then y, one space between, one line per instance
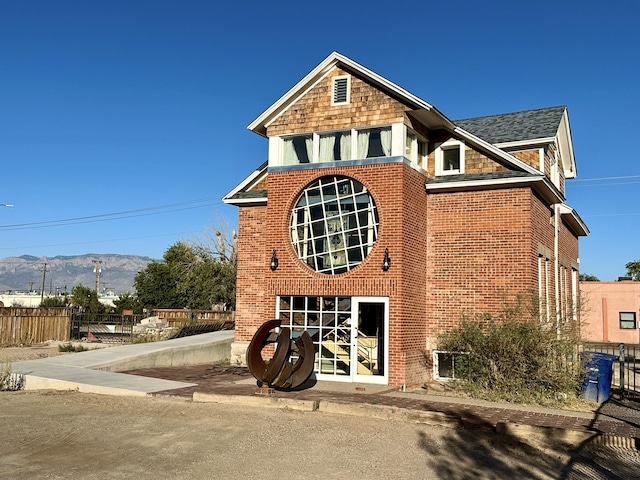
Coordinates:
597 384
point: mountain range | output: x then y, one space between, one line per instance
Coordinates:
26 273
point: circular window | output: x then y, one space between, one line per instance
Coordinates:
334 224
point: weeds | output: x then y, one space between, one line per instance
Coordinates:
515 357
10 381
70 347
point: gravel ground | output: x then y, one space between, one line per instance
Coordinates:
55 435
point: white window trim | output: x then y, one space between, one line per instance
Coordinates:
436 364
333 86
416 158
276 143
440 158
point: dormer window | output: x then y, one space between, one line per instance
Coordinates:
341 91
450 158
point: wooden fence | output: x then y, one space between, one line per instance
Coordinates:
26 326
179 317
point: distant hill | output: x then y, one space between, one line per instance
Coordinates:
25 272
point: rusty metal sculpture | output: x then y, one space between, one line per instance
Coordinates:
280 372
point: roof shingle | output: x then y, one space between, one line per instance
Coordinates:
516 126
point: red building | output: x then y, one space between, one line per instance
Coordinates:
377 222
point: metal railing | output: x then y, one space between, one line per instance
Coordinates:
105 328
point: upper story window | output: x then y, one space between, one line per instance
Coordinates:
334 146
374 142
628 320
450 158
415 149
341 91
297 150
352 144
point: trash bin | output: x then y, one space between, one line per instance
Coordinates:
597 384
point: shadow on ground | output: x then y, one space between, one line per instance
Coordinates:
479 452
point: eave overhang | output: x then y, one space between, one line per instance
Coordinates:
243 195
565 145
498 180
573 220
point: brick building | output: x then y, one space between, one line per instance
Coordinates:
610 311
377 221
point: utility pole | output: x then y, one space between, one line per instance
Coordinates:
97 269
44 276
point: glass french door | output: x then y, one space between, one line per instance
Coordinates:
369 339
349 334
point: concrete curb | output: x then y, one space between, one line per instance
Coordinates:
385 412
257 401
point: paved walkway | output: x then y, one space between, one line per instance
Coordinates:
615 418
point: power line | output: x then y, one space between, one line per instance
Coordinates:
206 202
22 247
603 178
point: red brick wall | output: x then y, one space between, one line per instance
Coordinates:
452 254
399 193
253 263
478 253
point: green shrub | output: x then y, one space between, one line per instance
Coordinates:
70 347
514 356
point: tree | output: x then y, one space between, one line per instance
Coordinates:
196 276
86 299
128 302
585 277
156 287
633 270
54 302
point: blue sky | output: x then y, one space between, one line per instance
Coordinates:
142 106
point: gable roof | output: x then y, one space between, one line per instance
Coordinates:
425 112
529 127
516 126
494 135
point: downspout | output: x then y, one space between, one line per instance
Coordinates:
556 263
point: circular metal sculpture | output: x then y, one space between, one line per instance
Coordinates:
280 372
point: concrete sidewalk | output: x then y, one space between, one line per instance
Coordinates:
96 371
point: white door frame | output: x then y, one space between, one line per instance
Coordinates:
359 378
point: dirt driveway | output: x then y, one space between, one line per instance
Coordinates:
71 435
55 435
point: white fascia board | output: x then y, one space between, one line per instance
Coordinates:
481 183
510 159
566 147
534 143
244 201
255 176
318 73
